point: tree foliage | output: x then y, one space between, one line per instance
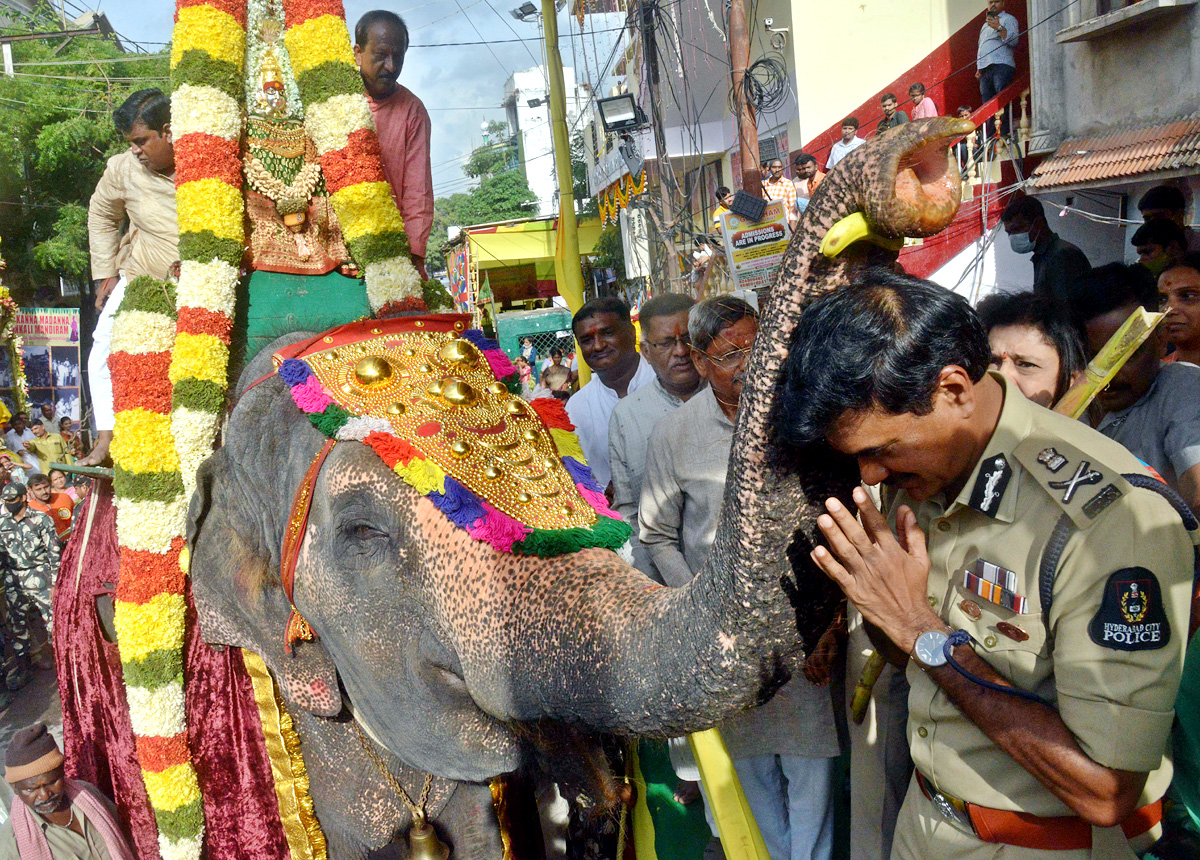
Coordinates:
503 193
59 134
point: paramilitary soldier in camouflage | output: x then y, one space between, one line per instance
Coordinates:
31 552
1041 593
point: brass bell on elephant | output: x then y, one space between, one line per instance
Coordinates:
423 843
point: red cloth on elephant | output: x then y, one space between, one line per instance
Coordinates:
241 813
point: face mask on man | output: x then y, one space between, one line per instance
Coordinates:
13 507
1021 243
1157 263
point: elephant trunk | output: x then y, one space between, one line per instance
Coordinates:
607 648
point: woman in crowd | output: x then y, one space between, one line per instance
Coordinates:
1179 287
1033 344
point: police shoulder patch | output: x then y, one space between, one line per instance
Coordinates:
1079 484
992 481
1131 616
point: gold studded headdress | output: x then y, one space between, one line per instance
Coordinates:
427 396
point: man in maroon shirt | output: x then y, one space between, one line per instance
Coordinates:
401 121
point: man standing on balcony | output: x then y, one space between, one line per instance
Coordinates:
995 65
891 116
1057 264
850 141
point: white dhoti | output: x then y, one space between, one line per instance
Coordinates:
99 377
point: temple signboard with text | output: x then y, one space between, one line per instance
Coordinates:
50 351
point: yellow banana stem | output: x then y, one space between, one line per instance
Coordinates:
739 832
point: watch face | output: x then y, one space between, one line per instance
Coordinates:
928 649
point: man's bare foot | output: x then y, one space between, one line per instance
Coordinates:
99 452
686 793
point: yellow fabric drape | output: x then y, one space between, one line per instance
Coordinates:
300 826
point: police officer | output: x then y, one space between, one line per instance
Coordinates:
1040 701
29 555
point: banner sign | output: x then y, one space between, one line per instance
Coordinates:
50 349
755 250
457 271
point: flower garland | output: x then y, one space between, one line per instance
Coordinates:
12 344
149 606
339 122
207 64
465 509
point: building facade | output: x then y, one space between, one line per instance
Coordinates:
527 108
1116 111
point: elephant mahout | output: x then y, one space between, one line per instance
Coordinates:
435 654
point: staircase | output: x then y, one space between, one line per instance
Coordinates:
992 166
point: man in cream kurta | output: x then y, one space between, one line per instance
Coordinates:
132 231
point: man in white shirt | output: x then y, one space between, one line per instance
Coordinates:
16 439
132 231
850 141
606 338
667 346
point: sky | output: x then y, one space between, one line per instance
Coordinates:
461 86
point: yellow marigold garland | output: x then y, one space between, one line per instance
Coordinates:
149 608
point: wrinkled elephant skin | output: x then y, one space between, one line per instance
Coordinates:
467 663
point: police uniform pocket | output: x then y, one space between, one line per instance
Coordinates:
1013 644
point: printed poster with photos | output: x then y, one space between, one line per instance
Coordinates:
50 348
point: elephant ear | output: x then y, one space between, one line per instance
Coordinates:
235 582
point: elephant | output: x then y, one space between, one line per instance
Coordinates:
435 654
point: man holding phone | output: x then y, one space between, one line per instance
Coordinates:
995 66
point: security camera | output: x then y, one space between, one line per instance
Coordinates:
769 22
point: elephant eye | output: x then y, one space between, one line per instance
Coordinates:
361 530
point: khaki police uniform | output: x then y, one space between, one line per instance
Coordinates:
1111 656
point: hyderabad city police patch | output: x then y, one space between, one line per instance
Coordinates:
1131 615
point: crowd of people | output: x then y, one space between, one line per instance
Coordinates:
656 423
40 506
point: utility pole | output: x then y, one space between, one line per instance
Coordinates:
568 271
747 126
666 229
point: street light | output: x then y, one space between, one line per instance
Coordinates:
524 12
620 114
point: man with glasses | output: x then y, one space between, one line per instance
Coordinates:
783 751
667 345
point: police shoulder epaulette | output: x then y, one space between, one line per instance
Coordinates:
1083 487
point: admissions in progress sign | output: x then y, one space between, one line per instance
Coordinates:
755 250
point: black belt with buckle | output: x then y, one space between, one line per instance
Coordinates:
950 807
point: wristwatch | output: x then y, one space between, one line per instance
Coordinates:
930 650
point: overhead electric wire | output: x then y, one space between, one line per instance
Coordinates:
506 23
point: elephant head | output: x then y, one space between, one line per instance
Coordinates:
444 652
